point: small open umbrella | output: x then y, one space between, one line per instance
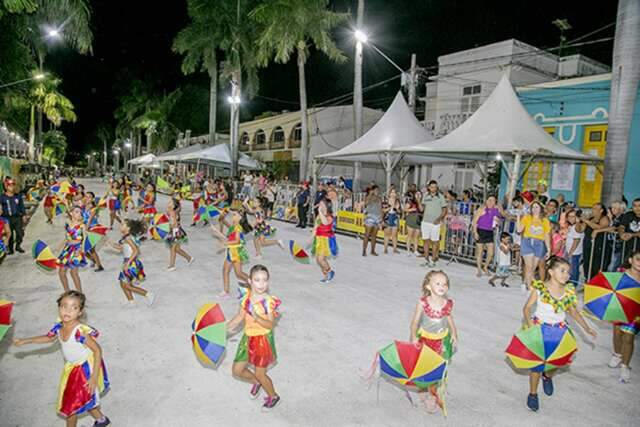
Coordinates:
63 187
542 348
209 334
43 256
200 213
213 211
412 365
5 316
159 227
91 240
298 253
100 229
59 208
614 297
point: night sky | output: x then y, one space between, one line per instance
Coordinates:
133 39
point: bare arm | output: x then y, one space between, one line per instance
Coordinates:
453 330
415 322
580 320
97 362
264 321
233 324
526 310
40 339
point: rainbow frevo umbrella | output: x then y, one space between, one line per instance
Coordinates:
43 255
63 187
209 334
60 208
614 297
412 365
213 211
5 316
542 348
298 253
159 227
91 240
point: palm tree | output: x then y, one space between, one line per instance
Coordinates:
624 86
54 145
156 122
198 43
292 26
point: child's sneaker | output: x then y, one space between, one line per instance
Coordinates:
625 374
255 390
281 244
547 385
102 422
150 298
324 281
330 276
191 260
270 402
532 402
616 360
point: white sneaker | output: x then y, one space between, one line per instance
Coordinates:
416 253
150 298
191 261
409 253
625 374
171 268
258 257
281 244
616 360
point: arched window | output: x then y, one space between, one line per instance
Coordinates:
295 139
245 142
277 138
260 140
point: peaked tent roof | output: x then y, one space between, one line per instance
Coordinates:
218 155
500 126
397 128
143 160
174 154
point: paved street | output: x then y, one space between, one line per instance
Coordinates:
326 338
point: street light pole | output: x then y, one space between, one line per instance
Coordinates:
358 106
234 101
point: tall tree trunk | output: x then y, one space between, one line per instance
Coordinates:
304 131
357 95
234 124
213 97
625 76
32 133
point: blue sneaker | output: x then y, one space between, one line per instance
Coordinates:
330 276
532 402
547 385
323 281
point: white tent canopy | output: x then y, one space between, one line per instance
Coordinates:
217 155
173 155
143 160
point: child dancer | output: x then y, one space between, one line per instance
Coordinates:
258 310
433 326
132 271
72 255
84 377
48 204
262 229
113 198
625 333
149 203
553 298
177 237
90 216
324 240
236 252
504 261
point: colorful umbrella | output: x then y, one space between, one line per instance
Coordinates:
60 208
298 253
5 316
213 211
159 227
63 187
209 334
100 229
412 365
200 214
91 240
101 202
542 348
614 297
43 256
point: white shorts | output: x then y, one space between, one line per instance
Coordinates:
430 231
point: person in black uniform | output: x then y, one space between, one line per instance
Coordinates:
13 211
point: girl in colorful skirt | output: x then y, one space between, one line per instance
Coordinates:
258 310
48 204
132 271
624 334
84 377
72 255
127 194
324 244
261 229
198 199
236 252
433 326
5 234
90 215
149 203
177 235
114 203
553 299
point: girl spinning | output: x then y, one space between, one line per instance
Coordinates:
149 203
262 229
324 244
553 299
177 236
113 200
132 271
258 310
72 255
236 252
433 326
84 377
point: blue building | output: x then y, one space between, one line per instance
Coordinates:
575 111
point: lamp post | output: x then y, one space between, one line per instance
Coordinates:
234 101
38 76
127 156
116 160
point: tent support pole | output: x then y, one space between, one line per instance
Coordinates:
357 171
513 179
485 180
314 173
388 167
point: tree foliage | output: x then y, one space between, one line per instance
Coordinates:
54 147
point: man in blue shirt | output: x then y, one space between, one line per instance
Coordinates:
302 199
13 211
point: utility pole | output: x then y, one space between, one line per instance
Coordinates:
413 83
357 95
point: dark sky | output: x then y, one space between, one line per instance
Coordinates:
133 40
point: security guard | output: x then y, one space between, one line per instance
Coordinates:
13 211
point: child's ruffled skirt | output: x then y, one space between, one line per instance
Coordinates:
237 253
72 256
73 396
132 272
325 246
259 350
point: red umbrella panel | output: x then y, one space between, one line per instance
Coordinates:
5 316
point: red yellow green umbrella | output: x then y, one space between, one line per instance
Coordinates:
63 187
213 211
209 334
43 255
412 365
159 227
91 240
542 348
59 208
614 297
100 229
5 316
298 253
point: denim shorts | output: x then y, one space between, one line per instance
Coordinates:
535 247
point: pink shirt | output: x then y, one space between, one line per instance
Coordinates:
557 244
